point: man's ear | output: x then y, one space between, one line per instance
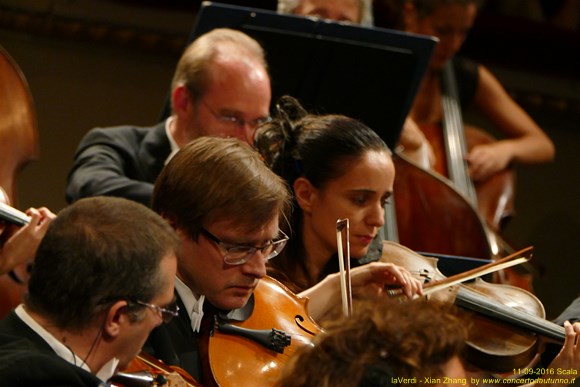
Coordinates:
115 319
181 100
305 193
181 233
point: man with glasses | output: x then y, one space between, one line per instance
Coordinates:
103 279
228 220
220 88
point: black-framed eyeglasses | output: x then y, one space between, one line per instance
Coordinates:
240 254
167 313
233 119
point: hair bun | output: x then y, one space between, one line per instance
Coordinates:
289 108
277 140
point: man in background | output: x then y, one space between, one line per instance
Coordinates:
351 11
220 88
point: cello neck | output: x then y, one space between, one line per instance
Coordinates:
13 216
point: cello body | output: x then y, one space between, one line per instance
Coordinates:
495 195
18 128
431 215
492 198
18 146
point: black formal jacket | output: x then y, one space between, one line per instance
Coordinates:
175 343
119 161
27 360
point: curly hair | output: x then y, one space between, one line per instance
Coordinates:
381 340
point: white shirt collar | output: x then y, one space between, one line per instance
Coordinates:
172 142
193 303
62 350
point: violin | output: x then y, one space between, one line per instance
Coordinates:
252 352
146 371
508 320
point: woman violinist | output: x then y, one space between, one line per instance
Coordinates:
337 168
450 21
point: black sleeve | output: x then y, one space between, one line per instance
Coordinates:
106 163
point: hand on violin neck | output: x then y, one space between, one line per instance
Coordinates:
566 365
377 275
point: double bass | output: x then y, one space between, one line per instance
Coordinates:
442 210
18 146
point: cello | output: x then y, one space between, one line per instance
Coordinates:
18 146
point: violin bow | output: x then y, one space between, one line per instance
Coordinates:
516 258
12 215
344 265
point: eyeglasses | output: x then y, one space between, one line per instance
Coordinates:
166 313
233 119
240 254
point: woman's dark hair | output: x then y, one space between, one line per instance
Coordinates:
317 147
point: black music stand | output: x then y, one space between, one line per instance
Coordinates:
368 74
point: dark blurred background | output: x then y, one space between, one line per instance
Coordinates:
103 62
